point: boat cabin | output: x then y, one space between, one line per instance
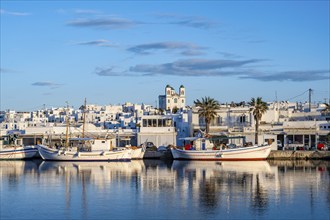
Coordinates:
214 142
197 143
10 141
90 144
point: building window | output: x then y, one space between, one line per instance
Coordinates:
242 119
182 100
219 120
175 100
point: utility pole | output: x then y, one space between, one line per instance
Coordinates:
84 119
310 99
67 126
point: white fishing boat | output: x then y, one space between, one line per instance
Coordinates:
137 153
11 148
202 149
17 153
84 149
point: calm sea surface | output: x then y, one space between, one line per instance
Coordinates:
155 189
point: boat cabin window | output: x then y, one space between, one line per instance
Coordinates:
160 123
168 122
269 140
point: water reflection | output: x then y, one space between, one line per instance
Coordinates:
224 183
168 189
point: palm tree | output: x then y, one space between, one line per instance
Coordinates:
207 110
258 108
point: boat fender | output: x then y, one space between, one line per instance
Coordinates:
59 153
64 152
78 154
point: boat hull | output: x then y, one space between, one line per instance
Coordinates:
47 153
245 153
137 153
18 153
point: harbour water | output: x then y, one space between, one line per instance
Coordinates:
156 189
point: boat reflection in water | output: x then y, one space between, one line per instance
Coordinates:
149 189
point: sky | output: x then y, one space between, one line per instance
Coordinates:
112 52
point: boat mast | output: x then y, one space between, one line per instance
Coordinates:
84 119
67 126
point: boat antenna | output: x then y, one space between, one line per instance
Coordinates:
67 126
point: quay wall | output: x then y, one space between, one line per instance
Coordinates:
298 155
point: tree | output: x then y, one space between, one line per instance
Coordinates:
207 110
258 108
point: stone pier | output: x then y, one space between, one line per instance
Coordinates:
298 155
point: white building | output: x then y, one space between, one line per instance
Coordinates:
171 99
158 129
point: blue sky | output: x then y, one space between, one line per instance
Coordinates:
127 51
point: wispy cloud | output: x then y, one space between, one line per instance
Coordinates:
103 23
51 85
186 49
195 23
3 71
110 72
229 55
243 69
99 43
188 21
295 76
14 13
195 67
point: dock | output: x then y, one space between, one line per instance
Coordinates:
298 155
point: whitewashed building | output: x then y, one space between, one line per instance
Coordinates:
172 100
158 129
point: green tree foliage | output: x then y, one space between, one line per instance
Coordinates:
258 108
207 109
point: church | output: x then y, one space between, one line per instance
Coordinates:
172 100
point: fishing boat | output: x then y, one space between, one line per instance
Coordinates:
201 148
137 152
12 148
84 149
